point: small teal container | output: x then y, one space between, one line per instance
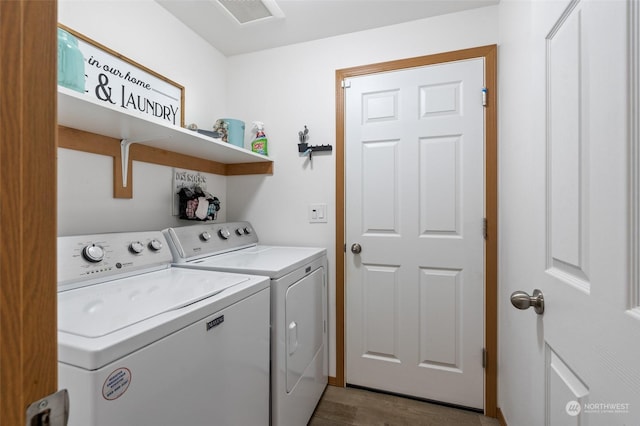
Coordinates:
235 129
70 62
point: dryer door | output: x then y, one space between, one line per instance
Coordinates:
304 326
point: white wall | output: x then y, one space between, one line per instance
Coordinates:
293 86
146 33
522 164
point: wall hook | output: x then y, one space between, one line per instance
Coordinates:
305 149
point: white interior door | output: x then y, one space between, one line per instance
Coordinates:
582 356
415 205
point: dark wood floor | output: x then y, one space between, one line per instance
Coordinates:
350 406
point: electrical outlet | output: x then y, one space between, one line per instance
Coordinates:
317 213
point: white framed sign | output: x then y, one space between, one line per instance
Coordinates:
119 81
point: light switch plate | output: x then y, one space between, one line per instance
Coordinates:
317 213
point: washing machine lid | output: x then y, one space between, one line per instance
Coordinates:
156 313
272 261
101 309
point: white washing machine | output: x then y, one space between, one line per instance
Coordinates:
142 343
299 348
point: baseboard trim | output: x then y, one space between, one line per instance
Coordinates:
500 417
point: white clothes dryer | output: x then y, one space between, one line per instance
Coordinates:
142 343
299 347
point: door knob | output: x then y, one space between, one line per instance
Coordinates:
522 300
356 248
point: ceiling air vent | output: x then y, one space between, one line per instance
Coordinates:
245 11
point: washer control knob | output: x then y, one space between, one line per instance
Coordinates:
136 247
205 236
248 230
93 253
239 231
224 233
155 245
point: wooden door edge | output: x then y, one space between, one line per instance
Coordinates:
28 332
489 54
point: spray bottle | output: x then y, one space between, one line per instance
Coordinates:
259 144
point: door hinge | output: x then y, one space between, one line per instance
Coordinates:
345 84
485 228
484 358
345 247
484 96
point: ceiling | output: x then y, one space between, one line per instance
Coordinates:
304 20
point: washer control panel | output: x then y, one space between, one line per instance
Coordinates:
200 240
87 259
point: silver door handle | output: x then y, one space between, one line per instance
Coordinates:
356 248
522 300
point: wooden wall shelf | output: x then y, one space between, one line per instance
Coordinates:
86 125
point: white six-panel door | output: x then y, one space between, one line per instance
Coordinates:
415 204
567 214
591 337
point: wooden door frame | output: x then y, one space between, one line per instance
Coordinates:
489 54
28 123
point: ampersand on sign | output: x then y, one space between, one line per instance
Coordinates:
103 92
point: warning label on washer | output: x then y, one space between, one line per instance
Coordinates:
116 384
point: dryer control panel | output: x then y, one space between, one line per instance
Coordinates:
89 259
194 241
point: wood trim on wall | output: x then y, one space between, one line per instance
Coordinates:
491 245
500 417
103 145
489 53
28 283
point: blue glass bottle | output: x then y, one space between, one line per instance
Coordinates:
70 62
